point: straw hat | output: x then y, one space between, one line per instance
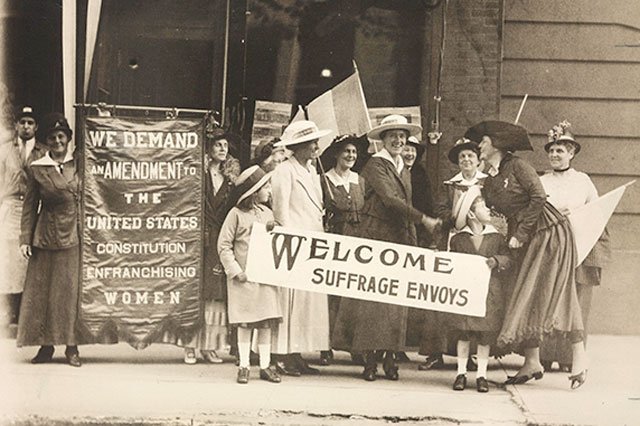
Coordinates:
464 204
394 122
250 181
461 145
505 136
299 132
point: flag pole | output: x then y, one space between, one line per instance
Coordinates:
521 108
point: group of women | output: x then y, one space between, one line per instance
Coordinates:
389 200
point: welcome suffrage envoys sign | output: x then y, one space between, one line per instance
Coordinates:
369 270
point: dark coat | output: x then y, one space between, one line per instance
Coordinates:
216 208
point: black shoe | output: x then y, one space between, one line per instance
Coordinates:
73 357
243 375
433 362
578 380
520 380
390 368
369 373
302 365
326 357
45 354
269 375
287 370
482 385
460 383
547 365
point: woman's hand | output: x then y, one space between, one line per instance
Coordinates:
25 250
514 243
270 225
430 223
241 277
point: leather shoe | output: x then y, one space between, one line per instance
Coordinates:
391 372
369 374
269 375
519 380
74 359
287 370
482 385
460 382
326 357
45 354
433 362
302 365
243 375
578 380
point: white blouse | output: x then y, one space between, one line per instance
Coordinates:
569 189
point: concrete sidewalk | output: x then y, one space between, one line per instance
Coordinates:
119 385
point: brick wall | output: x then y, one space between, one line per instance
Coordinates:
470 77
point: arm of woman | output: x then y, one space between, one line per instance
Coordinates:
281 183
380 181
528 216
225 245
30 206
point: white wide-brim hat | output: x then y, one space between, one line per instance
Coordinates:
464 204
299 132
394 122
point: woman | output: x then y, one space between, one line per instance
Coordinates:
220 174
343 191
568 189
466 155
388 215
49 240
268 156
297 203
543 298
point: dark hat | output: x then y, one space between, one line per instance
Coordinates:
56 121
250 181
561 134
233 140
26 111
413 141
504 136
265 148
328 157
461 145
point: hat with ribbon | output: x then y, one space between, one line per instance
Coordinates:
394 122
560 134
462 207
413 141
26 111
505 136
461 145
299 132
250 181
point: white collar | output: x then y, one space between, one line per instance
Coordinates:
459 178
46 160
488 229
338 180
383 153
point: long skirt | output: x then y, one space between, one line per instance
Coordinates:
212 336
49 307
366 326
544 297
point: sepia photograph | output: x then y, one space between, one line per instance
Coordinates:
319 212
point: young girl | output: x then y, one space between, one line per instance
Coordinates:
251 305
481 238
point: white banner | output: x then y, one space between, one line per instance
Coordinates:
369 270
588 221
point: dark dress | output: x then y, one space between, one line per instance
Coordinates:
49 307
543 297
485 328
387 216
343 210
